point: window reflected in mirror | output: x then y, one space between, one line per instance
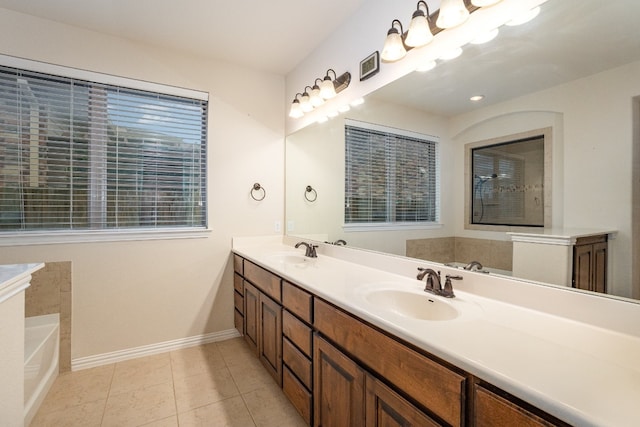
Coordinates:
391 176
508 183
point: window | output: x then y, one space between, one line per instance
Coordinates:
82 155
508 183
391 176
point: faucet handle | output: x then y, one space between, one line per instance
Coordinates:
447 292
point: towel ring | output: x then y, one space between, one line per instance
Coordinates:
256 188
310 189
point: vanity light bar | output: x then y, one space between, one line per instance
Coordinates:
317 94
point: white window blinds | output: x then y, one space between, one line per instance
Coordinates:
390 177
81 155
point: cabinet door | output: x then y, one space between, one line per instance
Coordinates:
338 388
251 306
386 408
270 336
582 264
600 267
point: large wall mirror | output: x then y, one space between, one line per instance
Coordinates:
573 71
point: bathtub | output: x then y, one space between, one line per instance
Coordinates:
41 354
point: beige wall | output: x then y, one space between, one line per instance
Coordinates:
131 294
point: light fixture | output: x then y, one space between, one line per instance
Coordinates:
419 33
393 49
305 101
476 98
315 97
524 17
296 110
484 3
327 89
452 13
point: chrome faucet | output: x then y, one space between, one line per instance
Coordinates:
434 284
473 264
310 250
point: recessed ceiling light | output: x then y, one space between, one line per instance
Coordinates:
476 98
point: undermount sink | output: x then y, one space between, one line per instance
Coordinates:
412 304
287 258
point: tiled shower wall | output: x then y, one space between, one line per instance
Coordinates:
496 254
49 293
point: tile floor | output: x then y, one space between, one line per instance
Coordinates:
219 384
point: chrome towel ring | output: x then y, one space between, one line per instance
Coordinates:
257 188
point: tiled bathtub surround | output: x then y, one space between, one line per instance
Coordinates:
496 254
49 293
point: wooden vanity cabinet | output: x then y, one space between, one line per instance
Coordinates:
238 294
590 263
498 409
297 348
263 317
338 370
436 388
339 388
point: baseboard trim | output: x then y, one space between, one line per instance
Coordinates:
148 350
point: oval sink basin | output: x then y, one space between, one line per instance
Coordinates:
412 305
287 258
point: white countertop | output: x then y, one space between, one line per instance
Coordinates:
584 374
14 278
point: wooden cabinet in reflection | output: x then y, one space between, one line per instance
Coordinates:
590 263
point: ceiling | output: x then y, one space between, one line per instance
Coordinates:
567 41
273 35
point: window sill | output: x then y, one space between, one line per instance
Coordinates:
26 238
387 226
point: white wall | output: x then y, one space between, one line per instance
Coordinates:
132 294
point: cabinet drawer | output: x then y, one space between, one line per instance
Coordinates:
237 264
492 410
297 394
237 283
264 280
297 301
299 364
297 332
431 384
238 302
238 321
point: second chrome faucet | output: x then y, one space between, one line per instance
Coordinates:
433 282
